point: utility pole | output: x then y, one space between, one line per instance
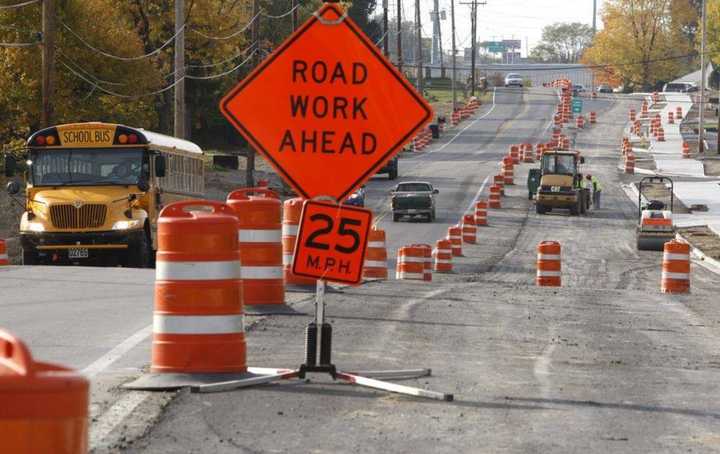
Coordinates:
594 21
442 54
386 30
473 58
255 31
435 16
179 101
399 36
419 55
294 6
49 17
701 119
454 55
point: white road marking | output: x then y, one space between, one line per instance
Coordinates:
470 209
116 353
112 418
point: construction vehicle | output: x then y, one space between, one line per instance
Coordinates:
558 183
655 224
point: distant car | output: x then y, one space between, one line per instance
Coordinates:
604 88
680 87
513 79
413 199
391 168
579 88
357 198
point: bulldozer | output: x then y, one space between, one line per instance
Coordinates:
558 183
655 223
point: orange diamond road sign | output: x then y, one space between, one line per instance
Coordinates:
326 109
331 242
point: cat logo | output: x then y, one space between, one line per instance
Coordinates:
78 204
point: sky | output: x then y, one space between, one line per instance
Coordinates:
502 19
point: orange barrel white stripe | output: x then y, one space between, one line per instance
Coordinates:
412 263
580 122
259 214
469 229
442 257
481 212
292 209
679 113
686 150
198 319
661 134
676 267
508 173
539 150
671 117
375 266
593 118
548 264
515 154
630 163
456 239
499 180
495 197
4 259
528 154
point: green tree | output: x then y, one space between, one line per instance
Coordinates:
563 42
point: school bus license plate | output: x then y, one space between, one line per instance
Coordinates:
78 253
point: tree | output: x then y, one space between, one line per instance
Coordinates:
643 42
563 42
713 31
361 11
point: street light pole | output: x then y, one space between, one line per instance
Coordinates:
454 55
399 36
701 125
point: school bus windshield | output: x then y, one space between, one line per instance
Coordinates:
88 167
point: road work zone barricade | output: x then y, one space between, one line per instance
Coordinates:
43 407
414 263
259 213
4 259
375 266
290 226
549 270
481 213
676 267
442 257
469 229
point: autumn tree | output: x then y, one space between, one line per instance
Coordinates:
643 42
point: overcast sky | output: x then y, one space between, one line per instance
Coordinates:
502 19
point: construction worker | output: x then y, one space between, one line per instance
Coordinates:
586 186
596 190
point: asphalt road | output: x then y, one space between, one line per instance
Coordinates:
604 364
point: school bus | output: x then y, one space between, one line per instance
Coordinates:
94 191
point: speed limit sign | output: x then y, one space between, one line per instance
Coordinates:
331 242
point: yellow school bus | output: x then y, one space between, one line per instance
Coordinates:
94 191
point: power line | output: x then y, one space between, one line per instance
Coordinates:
285 14
228 60
118 57
19 45
19 5
230 71
230 36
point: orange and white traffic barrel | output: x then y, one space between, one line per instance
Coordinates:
499 180
375 266
442 255
580 122
630 163
494 200
198 319
671 117
676 267
4 259
593 95
43 407
469 229
593 118
660 134
481 212
539 150
679 113
632 115
548 264
414 263
515 154
259 213
292 209
528 154
455 235
686 150
508 172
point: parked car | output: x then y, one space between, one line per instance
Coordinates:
604 88
357 198
413 199
513 79
680 87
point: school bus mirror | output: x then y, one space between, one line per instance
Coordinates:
12 187
160 166
582 159
143 185
10 166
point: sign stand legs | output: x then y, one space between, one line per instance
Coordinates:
318 339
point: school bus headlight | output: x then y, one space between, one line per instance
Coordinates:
126 225
35 226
